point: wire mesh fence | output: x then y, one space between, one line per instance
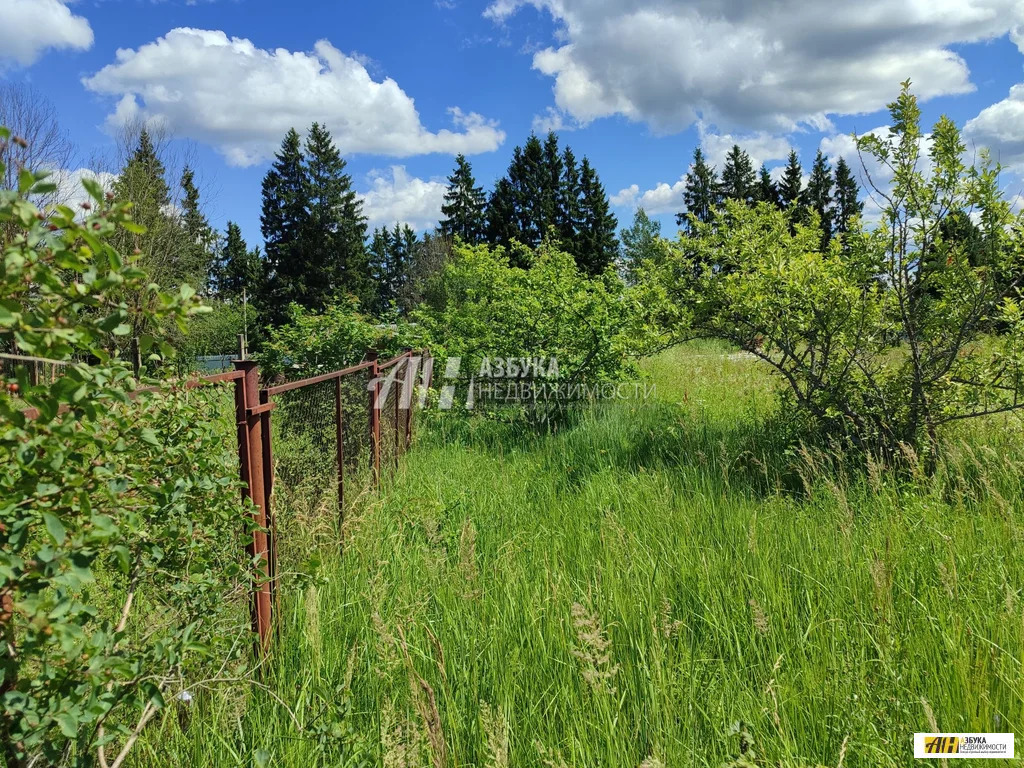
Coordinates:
307 453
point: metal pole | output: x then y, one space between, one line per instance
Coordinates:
250 456
340 432
375 415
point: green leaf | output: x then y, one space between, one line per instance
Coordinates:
68 724
55 528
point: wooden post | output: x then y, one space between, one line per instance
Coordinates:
398 415
243 351
375 414
251 468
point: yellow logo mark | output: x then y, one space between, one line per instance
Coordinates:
942 745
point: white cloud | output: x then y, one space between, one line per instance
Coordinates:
668 198
242 99
551 120
765 65
661 199
70 191
1000 127
29 27
762 147
395 196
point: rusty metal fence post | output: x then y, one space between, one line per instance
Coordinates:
251 463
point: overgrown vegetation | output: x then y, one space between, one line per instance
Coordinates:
883 335
120 523
646 588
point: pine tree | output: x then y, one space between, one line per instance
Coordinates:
847 205
701 193
464 204
766 191
598 246
791 185
738 177
639 243
818 197
283 217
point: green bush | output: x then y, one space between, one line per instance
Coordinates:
319 342
120 523
489 309
881 338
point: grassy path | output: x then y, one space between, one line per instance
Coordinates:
653 586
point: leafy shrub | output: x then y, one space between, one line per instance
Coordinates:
881 337
120 521
488 308
319 342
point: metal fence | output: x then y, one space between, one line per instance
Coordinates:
324 441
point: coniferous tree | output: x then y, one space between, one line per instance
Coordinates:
766 190
333 238
283 218
200 240
639 243
551 185
502 215
847 206
464 204
791 185
738 178
239 269
818 196
701 193
597 246
379 256
569 199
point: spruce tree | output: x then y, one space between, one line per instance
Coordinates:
847 205
379 257
502 215
334 235
766 191
239 269
639 243
818 197
738 177
198 249
282 220
551 185
598 246
464 204
791 185
701 193
569 193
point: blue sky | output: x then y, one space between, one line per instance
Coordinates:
633 84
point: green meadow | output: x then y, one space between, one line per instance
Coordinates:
656 583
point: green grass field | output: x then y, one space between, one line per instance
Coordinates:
657 584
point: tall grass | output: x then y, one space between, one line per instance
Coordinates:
659 584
